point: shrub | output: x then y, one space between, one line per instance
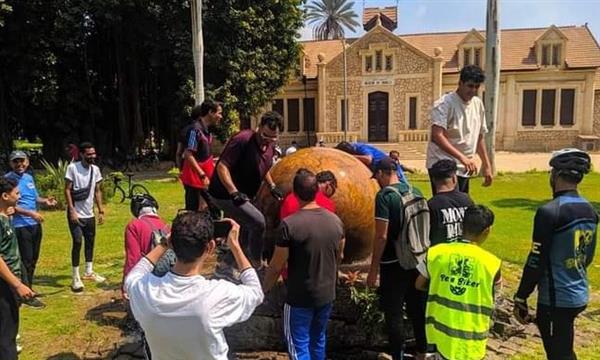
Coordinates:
174 173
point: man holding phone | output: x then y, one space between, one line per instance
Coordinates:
183 314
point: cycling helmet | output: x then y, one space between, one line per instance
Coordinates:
571 161
138 202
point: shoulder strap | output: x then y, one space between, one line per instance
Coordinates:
89 185
154 228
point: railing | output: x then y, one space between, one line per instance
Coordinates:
413 136
335 137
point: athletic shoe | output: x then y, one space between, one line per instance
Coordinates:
77 285
18 337
19 348
34 303
95 277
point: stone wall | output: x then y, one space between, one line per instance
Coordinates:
597 113
406 60
544 140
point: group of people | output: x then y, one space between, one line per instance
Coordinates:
426 263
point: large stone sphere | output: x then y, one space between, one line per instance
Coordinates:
354 198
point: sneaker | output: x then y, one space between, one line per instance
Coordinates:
19 348
95 277
18 337
34 303
77 285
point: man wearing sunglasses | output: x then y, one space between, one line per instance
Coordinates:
458 129
243 165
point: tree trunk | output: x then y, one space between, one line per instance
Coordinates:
122 123
198 50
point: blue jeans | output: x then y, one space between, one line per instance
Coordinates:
305 331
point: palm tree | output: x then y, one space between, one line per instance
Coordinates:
332 16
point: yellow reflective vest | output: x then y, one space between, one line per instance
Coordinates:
461 299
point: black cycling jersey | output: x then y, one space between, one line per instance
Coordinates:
564 241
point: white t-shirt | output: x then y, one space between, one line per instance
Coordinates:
464 122
183 317
80 177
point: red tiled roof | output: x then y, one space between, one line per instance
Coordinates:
518 48
390 12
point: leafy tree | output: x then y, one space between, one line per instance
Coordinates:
331 17
251 49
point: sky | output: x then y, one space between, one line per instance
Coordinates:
419 16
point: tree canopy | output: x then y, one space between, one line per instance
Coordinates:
330 18
110 71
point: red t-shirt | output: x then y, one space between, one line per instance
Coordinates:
291 205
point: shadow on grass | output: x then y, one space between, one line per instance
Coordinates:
55 281
113 313
64 356
529 204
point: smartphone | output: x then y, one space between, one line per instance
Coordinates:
222 228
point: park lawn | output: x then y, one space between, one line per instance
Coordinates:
68 326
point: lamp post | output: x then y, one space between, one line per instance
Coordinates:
345 119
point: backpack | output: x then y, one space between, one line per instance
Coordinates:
168 259
413 239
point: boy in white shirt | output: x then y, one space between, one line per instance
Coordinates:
182 313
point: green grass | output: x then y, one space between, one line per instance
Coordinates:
66 327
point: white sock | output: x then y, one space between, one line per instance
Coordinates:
88 267
75 272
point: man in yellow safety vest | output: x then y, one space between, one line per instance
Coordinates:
461 278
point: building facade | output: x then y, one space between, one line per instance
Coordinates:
547 96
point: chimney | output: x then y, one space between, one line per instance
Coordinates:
387 15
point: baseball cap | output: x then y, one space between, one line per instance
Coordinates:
17 154
385 164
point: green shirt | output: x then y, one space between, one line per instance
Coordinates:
9 247
388 207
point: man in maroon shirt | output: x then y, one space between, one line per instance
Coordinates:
242 167
138 233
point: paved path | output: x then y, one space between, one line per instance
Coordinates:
514 162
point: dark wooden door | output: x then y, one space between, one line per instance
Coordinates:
378 116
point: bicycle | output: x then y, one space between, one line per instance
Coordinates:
133 189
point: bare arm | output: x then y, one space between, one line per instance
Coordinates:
365 159
381 229
280 257
179 155
7 275
485 160
421 283
225 177
70 205
340 257
269 179
439 136
191 160
98 199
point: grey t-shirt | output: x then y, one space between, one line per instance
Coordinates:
313 237
464 122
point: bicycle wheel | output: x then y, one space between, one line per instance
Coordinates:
119 194
138 189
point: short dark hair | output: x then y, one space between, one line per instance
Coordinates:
204 108
472 73
6 185
325 176
477 219
273 120
443 169
305 185
394 152
346 147
190 233
85 145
